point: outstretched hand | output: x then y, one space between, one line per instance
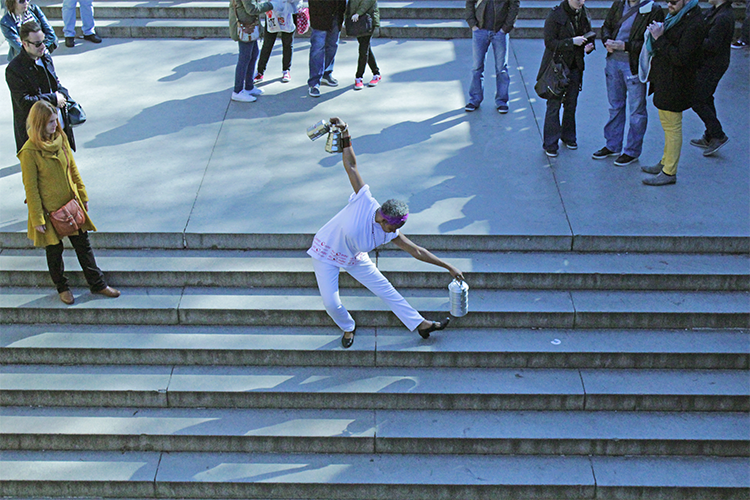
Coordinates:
338 123
456 273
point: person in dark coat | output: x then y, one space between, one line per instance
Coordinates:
326 18
675 47
622 37
563 38
30 82
719 26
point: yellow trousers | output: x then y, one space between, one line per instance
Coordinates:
671 122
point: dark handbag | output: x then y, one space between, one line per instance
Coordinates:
68 219
363 26
554 80
76 114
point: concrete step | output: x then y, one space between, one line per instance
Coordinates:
389 9
162 27
374 347
298 306
368 476
395 388
483 270
435 242
379 431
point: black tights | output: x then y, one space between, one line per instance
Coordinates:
366 57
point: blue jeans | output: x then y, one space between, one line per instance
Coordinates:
323 45
480 41
69 17
624 87
245 71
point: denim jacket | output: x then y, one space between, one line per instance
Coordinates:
11 32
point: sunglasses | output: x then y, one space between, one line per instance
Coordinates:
23 1
673 2
35 44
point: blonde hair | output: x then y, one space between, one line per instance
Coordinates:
36 124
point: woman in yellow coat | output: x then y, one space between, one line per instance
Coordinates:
51 179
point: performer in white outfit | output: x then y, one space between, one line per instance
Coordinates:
344 241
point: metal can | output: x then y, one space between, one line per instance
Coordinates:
318 130
333 144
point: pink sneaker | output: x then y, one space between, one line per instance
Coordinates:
286 76
375 80
258 78
358 85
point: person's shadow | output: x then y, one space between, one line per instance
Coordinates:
205 65
403 134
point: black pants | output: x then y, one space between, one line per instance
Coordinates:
553 129
703 101
269 39
94 275
366 58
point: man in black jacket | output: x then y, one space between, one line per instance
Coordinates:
622 36
676 49
31 77
490 22
719 21
326 18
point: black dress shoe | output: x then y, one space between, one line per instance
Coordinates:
435 327
93 37
348 342
70 41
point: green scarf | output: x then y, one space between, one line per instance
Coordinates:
670 21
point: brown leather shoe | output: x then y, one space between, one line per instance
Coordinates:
67 297
109 292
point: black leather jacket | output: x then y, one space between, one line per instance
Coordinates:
635 41
506 12
29 83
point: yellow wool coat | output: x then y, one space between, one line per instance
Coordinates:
51 179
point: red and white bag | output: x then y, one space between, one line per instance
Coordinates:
279 22
303 20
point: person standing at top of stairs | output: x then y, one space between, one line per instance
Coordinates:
87 19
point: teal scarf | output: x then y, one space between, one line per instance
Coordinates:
670 21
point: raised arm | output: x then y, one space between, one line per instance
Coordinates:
350 160
425 255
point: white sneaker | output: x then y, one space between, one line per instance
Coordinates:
254 92
243 97
286 77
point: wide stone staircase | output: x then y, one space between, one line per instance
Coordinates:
399 18
608 368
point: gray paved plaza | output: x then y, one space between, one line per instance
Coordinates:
166 151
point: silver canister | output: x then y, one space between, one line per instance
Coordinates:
459 298
333 144
318 130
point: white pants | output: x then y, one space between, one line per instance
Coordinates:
366 273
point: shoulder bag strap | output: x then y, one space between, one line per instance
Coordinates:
630 14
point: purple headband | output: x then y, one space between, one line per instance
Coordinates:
394 221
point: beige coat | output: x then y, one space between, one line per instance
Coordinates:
51 179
